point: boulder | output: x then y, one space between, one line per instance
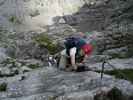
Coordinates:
3 55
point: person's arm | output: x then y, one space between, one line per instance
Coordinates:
83 61
72 57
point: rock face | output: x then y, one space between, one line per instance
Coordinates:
35 14
3 54
49 83
113 21
116 63
103 15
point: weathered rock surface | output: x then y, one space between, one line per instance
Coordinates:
28 15
112 18
11 67
114 21
3 54
116 63
50 83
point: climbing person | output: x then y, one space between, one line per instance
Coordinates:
75 53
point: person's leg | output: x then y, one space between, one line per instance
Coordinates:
63 60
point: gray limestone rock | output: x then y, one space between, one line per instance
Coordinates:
3 55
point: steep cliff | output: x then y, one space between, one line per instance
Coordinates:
113 18
28 15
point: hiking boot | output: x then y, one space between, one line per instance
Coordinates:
83 68
71 68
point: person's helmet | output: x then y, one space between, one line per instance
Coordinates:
87 48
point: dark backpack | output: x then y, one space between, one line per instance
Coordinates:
73 42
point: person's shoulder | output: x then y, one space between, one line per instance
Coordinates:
73 49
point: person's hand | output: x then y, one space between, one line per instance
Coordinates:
74 67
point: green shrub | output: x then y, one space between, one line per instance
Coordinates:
127 74
44 40
33 66
52 97
14 20
113 94
130 51
3 87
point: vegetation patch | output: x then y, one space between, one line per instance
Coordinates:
10 61
14 20
113 94
45 41
130 51
121 55
52 98
123 74
8 40
3 87
33 66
